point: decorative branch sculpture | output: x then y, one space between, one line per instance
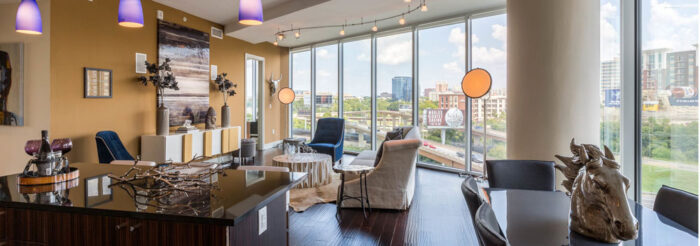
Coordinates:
166 184
599 207
161 77
225 86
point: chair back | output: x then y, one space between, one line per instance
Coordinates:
678 205
110 147
329 130
470 190
521 174
487 227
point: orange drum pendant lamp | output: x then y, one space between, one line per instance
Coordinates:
476 83
286 95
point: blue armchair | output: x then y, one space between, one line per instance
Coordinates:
110 147
329 137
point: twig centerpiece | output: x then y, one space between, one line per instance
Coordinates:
170 186
226 87
161 76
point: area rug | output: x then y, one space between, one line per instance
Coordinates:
302 199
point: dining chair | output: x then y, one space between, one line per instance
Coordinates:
678 205
110 147
487 227
521 174
470 190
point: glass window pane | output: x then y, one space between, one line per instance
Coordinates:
442 105
488 51
357 92
669 92
327 81
301 84
610 75
394 83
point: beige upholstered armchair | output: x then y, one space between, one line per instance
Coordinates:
392 183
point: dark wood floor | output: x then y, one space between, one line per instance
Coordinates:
438 216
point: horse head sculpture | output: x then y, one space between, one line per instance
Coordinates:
599 207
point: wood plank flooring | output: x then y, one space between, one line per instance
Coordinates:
438 216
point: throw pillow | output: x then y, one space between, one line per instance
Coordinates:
396 134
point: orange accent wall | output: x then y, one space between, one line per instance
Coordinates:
86 34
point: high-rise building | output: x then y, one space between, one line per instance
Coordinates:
610 74
441 86
401 88
653 68
682 69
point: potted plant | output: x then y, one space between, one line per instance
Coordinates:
162 78
225 86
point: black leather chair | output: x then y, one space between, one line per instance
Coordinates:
471 194
487 227
678 205
521 174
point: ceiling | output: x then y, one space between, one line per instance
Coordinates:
302 13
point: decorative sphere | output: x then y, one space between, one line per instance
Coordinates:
454 117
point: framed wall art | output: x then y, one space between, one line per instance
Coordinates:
98 83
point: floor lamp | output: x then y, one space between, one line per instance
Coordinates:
475 84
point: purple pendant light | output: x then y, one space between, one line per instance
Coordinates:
28 19
250 12
130 13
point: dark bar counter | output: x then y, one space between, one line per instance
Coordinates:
243 208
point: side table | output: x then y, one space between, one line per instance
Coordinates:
316 166
360 170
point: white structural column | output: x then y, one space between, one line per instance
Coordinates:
553 77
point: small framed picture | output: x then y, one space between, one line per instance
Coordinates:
98 83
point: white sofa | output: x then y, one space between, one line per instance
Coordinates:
392 183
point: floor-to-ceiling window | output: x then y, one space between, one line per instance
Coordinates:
326 81
442 111
357 92
394 82
488 115
301 84
610 74
669 96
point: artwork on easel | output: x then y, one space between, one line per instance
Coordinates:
188 51
11 84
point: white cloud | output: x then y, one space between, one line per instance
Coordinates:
363 57
453 67
456 36
484 55
322 53
667 28
475 39
609 37
395 52
499 32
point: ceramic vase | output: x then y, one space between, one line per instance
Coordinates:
163 121
225 114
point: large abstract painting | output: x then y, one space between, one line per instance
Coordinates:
11 85
188 50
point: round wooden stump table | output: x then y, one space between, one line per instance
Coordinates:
318 167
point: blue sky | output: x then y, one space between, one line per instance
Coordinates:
666 24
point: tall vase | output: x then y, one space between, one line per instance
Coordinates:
225 114
163 121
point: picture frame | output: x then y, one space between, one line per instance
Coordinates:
97 83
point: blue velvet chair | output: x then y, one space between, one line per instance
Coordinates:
110 147
329 137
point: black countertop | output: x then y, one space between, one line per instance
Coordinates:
237 193
531 217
